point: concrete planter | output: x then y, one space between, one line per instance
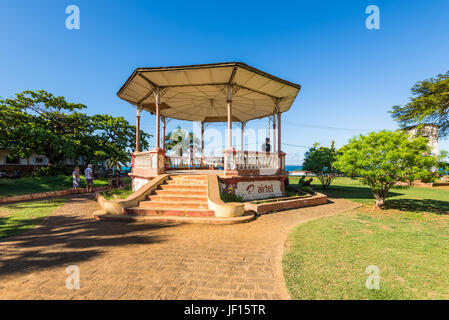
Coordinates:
279 204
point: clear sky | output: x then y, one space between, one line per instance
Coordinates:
350 76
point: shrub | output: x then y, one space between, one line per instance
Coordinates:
229 196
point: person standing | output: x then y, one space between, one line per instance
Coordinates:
266 147
76 179
89 175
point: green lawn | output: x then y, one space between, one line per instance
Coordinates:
402 198
409 243
122 193
14 187
20 217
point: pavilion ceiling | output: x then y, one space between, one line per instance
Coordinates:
199 92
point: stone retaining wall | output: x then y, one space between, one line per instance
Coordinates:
279 204
49 194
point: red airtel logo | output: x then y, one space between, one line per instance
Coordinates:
250 188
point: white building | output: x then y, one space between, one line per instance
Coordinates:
429 131
33 160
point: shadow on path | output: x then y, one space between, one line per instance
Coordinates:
69 236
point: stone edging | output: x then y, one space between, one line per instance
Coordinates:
49 194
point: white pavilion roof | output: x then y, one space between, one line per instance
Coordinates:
199 92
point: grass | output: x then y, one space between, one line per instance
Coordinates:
14 187
122 193
294 191
408 242
20 217
417 199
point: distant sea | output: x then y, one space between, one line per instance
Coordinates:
287 168
293 168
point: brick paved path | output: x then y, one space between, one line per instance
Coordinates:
142 261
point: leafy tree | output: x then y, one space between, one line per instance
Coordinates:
443 162
429 105
114 138
179 141
38 121
319 160
384 158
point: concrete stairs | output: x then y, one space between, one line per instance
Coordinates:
179 196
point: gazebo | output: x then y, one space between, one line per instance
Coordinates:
219 92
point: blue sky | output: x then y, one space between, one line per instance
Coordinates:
350 76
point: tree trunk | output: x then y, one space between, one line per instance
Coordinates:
380 199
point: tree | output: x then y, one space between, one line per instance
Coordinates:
429 105
113 137
319 160
384 158
38 121
179 141
115 165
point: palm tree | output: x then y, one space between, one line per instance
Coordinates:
114 164
180 140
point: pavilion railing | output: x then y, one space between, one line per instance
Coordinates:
143 160
253 160
181 162
232 160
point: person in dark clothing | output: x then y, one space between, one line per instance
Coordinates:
266 147
307 183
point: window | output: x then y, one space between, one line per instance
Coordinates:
12 160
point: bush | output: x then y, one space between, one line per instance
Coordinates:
121 193
228 196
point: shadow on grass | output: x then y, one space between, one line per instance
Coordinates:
68 239
348 192
415 205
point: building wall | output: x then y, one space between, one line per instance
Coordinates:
33 159
430 132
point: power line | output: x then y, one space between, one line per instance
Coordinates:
295 145
299 124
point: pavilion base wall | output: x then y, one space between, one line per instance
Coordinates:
138 182
254 187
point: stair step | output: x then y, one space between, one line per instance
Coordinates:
169 212
175 219
178 198
174 192
173 205
183 187
186 182
188 177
